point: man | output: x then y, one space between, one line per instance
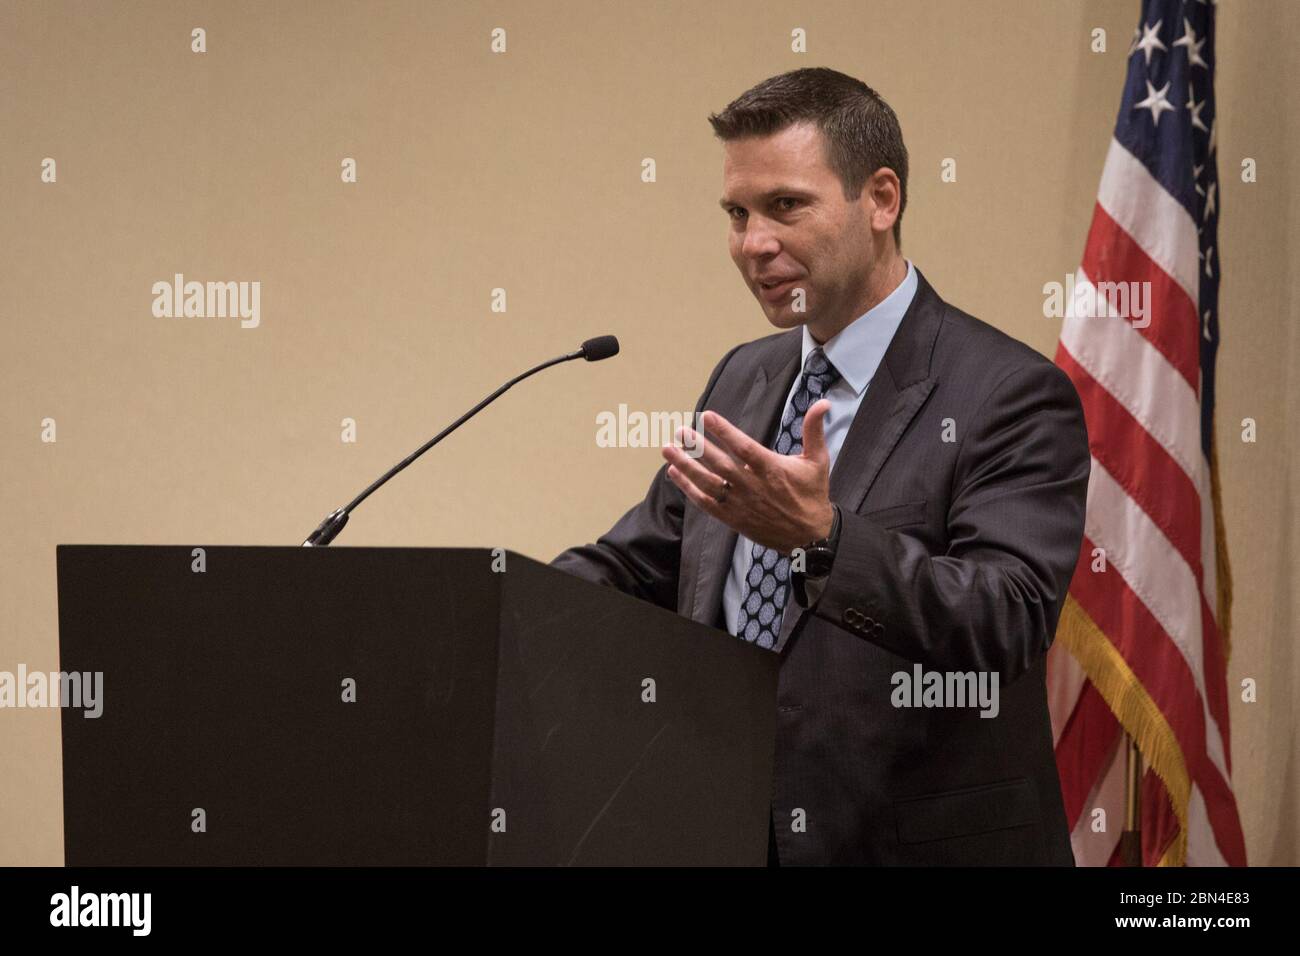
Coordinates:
915 479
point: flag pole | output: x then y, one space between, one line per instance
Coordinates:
1130 840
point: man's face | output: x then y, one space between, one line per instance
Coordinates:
790 223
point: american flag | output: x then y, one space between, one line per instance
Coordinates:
1143 641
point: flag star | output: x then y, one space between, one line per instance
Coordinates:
1206 325
1210 208
1133 44
1149 41
1188 39
1214 126
1196 108
1155 101
1209 254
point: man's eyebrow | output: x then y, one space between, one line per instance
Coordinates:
768 196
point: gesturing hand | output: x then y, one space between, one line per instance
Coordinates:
779 501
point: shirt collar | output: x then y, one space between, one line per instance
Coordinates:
858 349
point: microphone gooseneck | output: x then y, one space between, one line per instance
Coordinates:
593 350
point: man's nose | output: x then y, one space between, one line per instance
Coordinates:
760 239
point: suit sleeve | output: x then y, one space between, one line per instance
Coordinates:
1015 525
641 553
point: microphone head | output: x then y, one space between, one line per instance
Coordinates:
601 347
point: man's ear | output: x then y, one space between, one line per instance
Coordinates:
881 195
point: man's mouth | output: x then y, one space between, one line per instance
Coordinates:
776 290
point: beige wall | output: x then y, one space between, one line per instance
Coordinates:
522 171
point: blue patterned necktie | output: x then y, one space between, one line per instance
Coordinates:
768 583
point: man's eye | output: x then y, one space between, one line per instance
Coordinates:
792 201
733 210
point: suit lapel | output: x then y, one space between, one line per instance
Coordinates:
758 418
896 393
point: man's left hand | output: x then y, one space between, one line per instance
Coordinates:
779 501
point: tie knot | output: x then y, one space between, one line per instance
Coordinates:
818 372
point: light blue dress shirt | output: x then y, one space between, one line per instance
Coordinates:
856 351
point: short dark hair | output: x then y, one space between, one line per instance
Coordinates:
861 130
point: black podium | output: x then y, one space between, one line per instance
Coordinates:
409 706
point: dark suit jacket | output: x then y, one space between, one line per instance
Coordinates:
962 484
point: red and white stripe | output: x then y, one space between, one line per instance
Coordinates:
1150 509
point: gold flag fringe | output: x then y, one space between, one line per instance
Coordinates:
1136 712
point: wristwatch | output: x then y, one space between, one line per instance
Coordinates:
820 554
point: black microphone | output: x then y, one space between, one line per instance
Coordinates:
593 350
601 347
